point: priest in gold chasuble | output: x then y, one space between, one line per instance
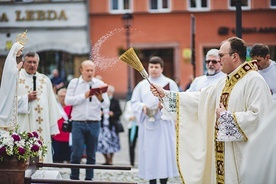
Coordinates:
214 124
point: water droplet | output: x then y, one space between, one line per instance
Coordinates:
102 62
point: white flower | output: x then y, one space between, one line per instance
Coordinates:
8 141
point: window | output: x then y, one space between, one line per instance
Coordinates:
198 5
120 6
245 4
159 5
273 3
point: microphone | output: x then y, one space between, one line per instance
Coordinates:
34 83
90 98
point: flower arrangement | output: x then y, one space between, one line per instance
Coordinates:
23 145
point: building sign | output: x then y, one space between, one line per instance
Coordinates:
46 15
247 30
51 26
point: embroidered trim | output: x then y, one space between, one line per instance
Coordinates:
239 128
177 138
170 101
228 131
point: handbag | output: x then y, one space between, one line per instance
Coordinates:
67 124
119 128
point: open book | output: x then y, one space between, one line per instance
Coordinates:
101 89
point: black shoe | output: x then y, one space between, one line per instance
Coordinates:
73 178
88 179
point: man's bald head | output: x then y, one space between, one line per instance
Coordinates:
87 70
87 62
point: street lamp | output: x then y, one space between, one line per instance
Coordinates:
127 20
238 18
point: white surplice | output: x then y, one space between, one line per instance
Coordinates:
8 90
157 139
269 74
42 114
248 103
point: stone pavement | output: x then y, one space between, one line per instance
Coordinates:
117 176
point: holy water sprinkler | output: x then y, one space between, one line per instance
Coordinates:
131 58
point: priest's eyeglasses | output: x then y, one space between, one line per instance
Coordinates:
212 61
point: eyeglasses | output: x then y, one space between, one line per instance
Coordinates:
223 54
213 61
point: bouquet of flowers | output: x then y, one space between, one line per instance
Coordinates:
22 145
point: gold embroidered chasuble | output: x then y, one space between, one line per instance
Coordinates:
200 158
224 98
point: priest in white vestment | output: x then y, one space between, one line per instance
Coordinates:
214 125
37 109
156 137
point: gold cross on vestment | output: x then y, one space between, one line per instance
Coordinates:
42 81
40 130
21 81
39 120
38 109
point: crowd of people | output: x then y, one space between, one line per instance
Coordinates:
204 134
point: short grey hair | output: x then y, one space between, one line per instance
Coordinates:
213 52
31 54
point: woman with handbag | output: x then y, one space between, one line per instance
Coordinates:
60 142
109 141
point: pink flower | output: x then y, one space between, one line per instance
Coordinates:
35 134
35 148
30 135
16 137
21 151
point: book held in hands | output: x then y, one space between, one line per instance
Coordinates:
101 89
